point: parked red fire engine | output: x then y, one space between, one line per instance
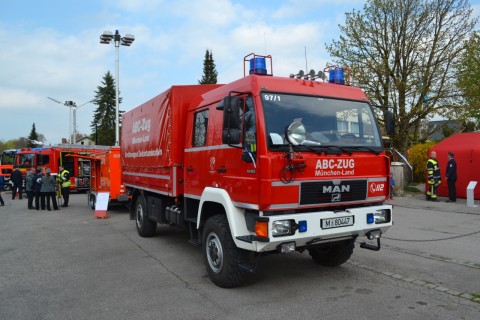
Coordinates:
53 157
261 165
6 166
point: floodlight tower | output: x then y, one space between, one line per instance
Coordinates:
127 40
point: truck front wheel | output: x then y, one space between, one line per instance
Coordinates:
145 227
333 255
221 256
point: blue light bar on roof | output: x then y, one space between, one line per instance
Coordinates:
336 76
258 66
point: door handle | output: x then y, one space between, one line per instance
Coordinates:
189 169
222 169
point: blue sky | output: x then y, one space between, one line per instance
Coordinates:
52 49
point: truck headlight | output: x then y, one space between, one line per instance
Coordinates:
281 228
382 216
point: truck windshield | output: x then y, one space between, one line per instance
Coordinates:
328 122
24 160
7 157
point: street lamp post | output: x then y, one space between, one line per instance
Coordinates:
73 110
127 40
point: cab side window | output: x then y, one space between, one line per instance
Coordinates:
200 128
249 126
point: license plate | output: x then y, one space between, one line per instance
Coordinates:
336 222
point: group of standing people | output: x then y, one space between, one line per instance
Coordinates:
40 187
434 179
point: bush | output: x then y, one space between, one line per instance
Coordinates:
418 156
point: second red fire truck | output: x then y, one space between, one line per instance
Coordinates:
68 156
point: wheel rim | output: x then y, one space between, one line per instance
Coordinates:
214 252
139 216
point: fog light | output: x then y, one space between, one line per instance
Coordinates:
382 216
375 234
287 247
302 226
370 218
281 228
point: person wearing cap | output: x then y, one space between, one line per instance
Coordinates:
37 184
29 187
434 179
47 190
451 176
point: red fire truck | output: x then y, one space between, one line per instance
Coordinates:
6 165
106 177
262 165
53 157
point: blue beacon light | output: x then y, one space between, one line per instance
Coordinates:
258 66
337 76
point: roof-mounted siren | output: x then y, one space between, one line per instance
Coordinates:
337 75
257 64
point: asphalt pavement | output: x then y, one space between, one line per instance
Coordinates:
68 265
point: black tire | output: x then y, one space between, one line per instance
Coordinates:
92 200
145 227
333 255
221 256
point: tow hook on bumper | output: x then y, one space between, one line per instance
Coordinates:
372 235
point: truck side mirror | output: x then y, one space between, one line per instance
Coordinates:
231 120
389 123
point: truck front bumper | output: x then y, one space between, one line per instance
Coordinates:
280 232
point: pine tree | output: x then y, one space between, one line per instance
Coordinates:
103 123
209 72
33 136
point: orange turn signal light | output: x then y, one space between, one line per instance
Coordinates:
261 229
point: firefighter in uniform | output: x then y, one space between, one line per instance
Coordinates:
434 179
64 180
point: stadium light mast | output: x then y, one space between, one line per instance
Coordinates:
127 40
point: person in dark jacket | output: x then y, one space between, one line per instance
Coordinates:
2 184
451 176
37 178
29 185
17 180
47 191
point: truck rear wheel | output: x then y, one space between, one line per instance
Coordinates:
333 255
91 201
145 227
221 256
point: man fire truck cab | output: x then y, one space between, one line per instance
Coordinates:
262 165
6 166
53 157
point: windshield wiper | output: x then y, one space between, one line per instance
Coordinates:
333 147
377 152
307 147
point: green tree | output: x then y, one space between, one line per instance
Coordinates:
33 136
468 78
103 123
402 53
209 72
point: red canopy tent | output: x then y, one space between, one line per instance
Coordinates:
466 148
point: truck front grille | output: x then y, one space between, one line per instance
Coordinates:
328 192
